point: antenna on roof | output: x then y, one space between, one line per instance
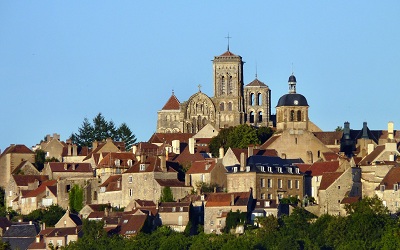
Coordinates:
228 37
173 93
256 70
292 69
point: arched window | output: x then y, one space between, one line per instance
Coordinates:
230 106
259 99
251 99
251 117
222 85
229 89
291 115
95 195
221 106
260 116
298 115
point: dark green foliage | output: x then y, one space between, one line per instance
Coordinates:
233 219
100 130
4 245
290 200
40 159
208 188
264 133
50 215
76 198
166 195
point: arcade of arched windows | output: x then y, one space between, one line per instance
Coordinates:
256 99
222 106
226 85
290 115
230 105
255 117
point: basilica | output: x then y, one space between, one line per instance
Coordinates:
232 104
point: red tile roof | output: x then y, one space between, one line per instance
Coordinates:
170 207
131 224
152 164
109 158
224 199
172 103
271 140
318 168
330 156
350 200
40 189
329 138
79 167
328 179
24 180
170 183
228 53
391 178
304 167
111 184
198 167
17 149
169 137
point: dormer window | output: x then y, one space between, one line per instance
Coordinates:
289 169
142 167
181 209
266 204
262 169
270 169
130 163
279 169
382 188
173 209
234 169
117 162
297 171
247 168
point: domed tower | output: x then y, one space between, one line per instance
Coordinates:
292 109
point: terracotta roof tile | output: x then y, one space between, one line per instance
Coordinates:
152 164
224 199
170 207
329 138
40 189
169 137
172 103
79 167
132 224
318 168
330 156
24 180
170 183
391 178
368 159
228 53
271 140
111 184
205 166
124 157
17 149
350 200
328 179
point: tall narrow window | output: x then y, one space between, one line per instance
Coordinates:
222 85
251 117
230 106
221 106
230 89
252 99
260 116
299 116
259 99
291 115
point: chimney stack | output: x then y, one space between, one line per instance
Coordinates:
346 130
390 131
176 146
191 145
69 150
250 150
221 152
163 163
74 150
371 148
232 199
242 161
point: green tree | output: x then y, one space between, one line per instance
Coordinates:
264 133
40 159
50 215
85 135
166 195
339 128
242 136
125 134
76 198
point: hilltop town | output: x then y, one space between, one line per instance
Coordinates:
175 180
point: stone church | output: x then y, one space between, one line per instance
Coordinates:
232 104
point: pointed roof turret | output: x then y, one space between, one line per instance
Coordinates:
172 103
256 83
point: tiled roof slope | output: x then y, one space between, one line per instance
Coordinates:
328 179
172 103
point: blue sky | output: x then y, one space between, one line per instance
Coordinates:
62 61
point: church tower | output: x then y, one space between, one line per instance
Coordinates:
228 89
292 109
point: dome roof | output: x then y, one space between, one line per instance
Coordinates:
293 99
292 78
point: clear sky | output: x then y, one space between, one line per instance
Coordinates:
62 61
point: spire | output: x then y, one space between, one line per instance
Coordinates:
228 37
292 84
256 70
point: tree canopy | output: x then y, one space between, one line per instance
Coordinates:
101 129
240 136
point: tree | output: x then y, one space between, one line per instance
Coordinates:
264 133
76 198
50 215
85 135
125 134
339 128
166 195
40 159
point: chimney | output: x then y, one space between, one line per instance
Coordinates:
232 199
163 163
390 131
69 150
73 166
105 212
65 166
30 222
250 149
191 145
119 183
365 131
391 157
346 130
134 149
38 238
43 226
56 136
48 137
176 146
221 152
74 150
242 161
94 145
371 148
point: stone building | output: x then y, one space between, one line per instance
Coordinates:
11 158
231 105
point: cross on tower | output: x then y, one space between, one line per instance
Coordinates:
199 87
228 37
